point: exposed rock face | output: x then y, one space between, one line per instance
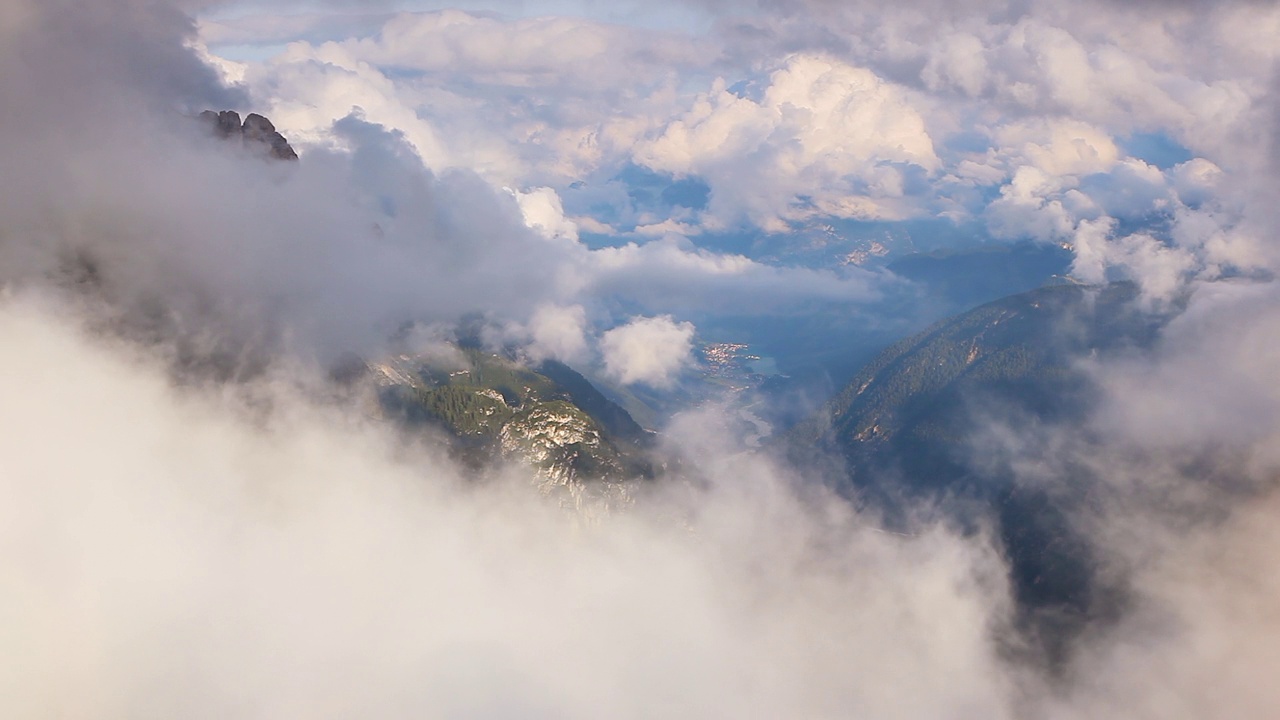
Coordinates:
255 132
583 448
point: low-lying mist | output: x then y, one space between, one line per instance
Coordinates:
243 550
178 552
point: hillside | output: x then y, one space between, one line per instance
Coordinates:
550 417
913 406
910 425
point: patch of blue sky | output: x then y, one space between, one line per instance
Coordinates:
635 195
965 142
662 191
752 89
595 241
1156 149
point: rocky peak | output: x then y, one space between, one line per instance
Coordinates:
256 131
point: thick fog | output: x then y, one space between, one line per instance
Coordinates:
179 542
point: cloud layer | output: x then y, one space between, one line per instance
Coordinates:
1027 116
190 559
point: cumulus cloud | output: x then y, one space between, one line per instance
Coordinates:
536 51
1195 180
823 140
558 332
494 117
648 350
1058 147
544 212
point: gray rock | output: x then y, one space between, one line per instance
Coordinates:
256 132
257 127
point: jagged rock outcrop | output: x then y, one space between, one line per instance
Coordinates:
255 132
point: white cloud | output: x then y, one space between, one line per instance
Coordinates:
652 351
674 276
1196 180
472 90
525 52
558 332
825 127
958 61
544 213
1057 147
1031 205
817 143
305 90
1133 189
299 561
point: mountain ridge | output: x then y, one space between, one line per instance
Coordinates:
547 416
908 428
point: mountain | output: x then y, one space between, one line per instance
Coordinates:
911 409
255 132
491 406
910 426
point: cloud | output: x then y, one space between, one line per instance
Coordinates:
136 44
309 91
495 114
1180 458
787 122
544 212
537 51
302 561
820 123
1052 87
1027 207
1206 387
182 235
672 275
559 333
1213 602
648 350
1058 147
1195 180
229 560
241 248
